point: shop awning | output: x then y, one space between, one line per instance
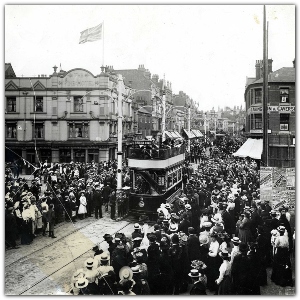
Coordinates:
197 133
173 134
189 134
178 134
251 148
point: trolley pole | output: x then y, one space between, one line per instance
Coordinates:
121 90
163 119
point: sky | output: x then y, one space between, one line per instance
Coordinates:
206 51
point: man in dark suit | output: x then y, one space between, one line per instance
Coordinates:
105 194
193 245
184 224
229 224
97 200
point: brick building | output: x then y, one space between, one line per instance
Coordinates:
281 112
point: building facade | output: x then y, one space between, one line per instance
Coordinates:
281 113
67 116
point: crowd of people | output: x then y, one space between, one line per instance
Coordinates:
58 193
216 237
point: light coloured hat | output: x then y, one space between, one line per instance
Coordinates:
90 263
125 273
203 239
173 227
188 206
194 273
81 283
137 226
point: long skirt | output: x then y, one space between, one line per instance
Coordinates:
213 265
26 232
225 286
282 272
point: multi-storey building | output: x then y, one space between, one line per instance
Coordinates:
281 112
149 93
67 116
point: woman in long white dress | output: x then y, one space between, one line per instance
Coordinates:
82 206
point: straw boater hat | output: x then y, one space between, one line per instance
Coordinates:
126 273
90 263
236 240
104 257
137 226
194 273
81 283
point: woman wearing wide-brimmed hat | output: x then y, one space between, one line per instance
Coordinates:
224 279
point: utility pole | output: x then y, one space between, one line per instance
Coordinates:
265 92
189 127
121 90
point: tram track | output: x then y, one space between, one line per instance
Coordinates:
65 265
50 244
45 267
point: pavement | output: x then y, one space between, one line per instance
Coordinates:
45 267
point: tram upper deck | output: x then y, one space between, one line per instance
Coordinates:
145 155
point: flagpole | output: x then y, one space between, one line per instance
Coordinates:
103 44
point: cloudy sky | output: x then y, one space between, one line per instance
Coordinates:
207 51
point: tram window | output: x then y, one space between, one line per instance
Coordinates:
170 180
161 180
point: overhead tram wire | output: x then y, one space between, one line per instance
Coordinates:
34 167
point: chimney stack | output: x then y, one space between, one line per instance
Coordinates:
258 69
270 61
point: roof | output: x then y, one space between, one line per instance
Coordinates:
285 74
250 80
9 71
144 111
251 148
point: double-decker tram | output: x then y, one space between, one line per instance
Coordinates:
156 176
